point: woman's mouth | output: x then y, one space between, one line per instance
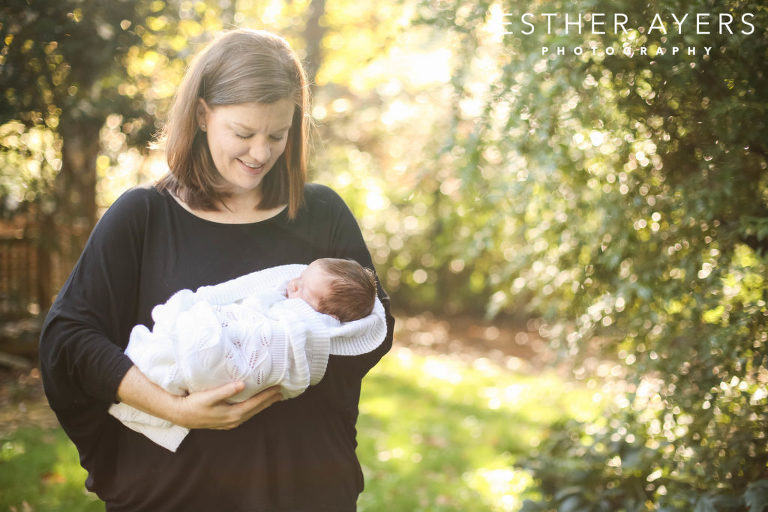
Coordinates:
251 168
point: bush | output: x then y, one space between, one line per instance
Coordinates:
625 200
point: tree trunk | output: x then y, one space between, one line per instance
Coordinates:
45 247
75 188
313 39
228 12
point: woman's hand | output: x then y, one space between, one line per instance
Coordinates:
210 409
203 409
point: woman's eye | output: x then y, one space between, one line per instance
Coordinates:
277 138
243 136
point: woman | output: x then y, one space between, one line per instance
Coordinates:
235 201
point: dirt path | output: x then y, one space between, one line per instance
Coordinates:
517 347
22 402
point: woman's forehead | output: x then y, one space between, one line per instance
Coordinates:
275 116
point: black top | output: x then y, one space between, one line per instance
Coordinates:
297 455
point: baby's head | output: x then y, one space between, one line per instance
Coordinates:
343 289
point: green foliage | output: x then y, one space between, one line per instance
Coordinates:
66 61
28 159
604 468
60 58
756 496
623 199
67 68
61 68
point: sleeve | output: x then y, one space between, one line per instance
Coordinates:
82 339
347 242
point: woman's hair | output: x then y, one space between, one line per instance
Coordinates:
352 292
239 66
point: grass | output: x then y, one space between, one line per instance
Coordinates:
436 433
39 472
439 434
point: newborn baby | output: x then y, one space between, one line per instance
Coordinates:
276 326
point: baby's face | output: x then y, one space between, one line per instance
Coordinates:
310 286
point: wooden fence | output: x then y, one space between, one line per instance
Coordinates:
31 275
20 285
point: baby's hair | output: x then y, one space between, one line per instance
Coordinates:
352 292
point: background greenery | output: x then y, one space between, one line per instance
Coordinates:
622 202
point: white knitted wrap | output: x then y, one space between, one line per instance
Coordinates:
243 329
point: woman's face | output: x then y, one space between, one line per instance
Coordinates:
245 139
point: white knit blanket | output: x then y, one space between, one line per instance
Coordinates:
243 329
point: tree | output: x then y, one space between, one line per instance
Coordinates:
625 199
60 61
66 67
63 64
62 67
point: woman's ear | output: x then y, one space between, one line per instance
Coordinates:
201 114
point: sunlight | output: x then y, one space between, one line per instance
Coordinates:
496 25
501 397
440 369
375 199
502 485
157 166
417 68
272 12
398 111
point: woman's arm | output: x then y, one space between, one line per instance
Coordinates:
82 340
203 409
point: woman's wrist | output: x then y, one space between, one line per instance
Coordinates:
139 392
176 411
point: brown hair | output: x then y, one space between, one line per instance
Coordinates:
352 292
239 66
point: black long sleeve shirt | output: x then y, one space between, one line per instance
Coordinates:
297 455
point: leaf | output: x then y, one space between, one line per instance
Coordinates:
756 496
568 491
705 504
571 504
724 502
532 506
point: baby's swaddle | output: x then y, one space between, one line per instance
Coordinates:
243 329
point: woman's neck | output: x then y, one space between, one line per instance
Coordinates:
235 210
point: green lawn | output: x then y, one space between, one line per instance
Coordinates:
439 434
436 433
39 471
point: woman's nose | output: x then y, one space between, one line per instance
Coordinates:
260 152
